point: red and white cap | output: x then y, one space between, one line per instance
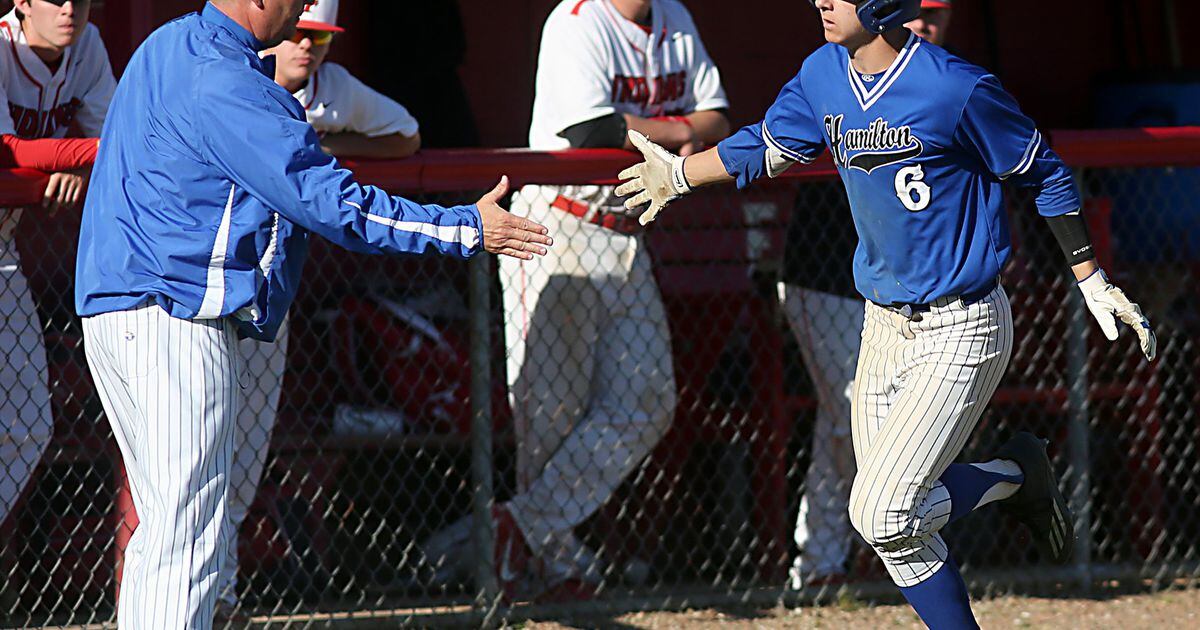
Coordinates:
320 15
935 4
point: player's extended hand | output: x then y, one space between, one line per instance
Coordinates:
657 181
507 234
1108 304
66 190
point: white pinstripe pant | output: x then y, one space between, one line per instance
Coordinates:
169 388
920 388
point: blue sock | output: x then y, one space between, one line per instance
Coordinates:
972 486
942 601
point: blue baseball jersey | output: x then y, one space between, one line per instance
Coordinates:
922 149
209 181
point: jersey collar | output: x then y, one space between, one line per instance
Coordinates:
29 63
868 95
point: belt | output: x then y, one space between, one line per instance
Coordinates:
610 220
913 311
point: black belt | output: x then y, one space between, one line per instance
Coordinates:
913 311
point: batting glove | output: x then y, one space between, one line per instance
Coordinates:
1108 303
657 181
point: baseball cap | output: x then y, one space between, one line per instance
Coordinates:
320 15
935 4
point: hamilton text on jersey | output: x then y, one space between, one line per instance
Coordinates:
878 145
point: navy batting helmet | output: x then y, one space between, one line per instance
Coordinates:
879 16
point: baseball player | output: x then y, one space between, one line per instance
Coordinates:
827 320
55 79
351 119
207 185
923 141
588 317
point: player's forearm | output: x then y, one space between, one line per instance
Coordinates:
710 126
670 133
393 146
1085 269
706 168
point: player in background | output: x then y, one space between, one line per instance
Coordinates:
352 120
922 141
587 318
825 314
55 80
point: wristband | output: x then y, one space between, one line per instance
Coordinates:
679 177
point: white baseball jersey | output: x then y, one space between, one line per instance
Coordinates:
594 62
336 101
38 103
44 104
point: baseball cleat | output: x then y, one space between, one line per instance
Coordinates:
1039 503
511 554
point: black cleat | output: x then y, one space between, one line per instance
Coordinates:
1039 503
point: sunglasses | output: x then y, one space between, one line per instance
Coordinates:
59 3
319 38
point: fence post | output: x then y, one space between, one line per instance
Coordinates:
1078 424
483 493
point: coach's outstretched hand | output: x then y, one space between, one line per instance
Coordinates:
507 234
1108 304
657 181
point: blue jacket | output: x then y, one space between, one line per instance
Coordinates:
209 180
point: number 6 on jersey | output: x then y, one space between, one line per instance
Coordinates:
914 193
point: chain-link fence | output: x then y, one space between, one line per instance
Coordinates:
639 420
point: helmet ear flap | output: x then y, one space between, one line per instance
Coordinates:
880 16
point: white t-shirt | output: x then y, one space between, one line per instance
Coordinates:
335 101
594 62
35 103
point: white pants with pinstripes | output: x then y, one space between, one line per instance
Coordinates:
169 389
920 388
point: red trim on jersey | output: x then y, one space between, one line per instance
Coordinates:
47 154
613 18
12 41
575 11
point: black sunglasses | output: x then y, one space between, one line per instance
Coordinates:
59 3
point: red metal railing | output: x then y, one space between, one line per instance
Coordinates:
455 170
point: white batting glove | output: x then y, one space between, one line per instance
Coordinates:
1108 303
657 181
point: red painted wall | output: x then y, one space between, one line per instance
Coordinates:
1049 54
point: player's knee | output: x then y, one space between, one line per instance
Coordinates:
878 524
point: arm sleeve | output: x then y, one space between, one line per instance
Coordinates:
373 114
98 97
572 84
258 137
1010 146
789 133
47 155
605 132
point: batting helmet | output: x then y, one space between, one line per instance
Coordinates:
879 16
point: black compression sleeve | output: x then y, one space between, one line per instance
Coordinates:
1070 230
605 132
